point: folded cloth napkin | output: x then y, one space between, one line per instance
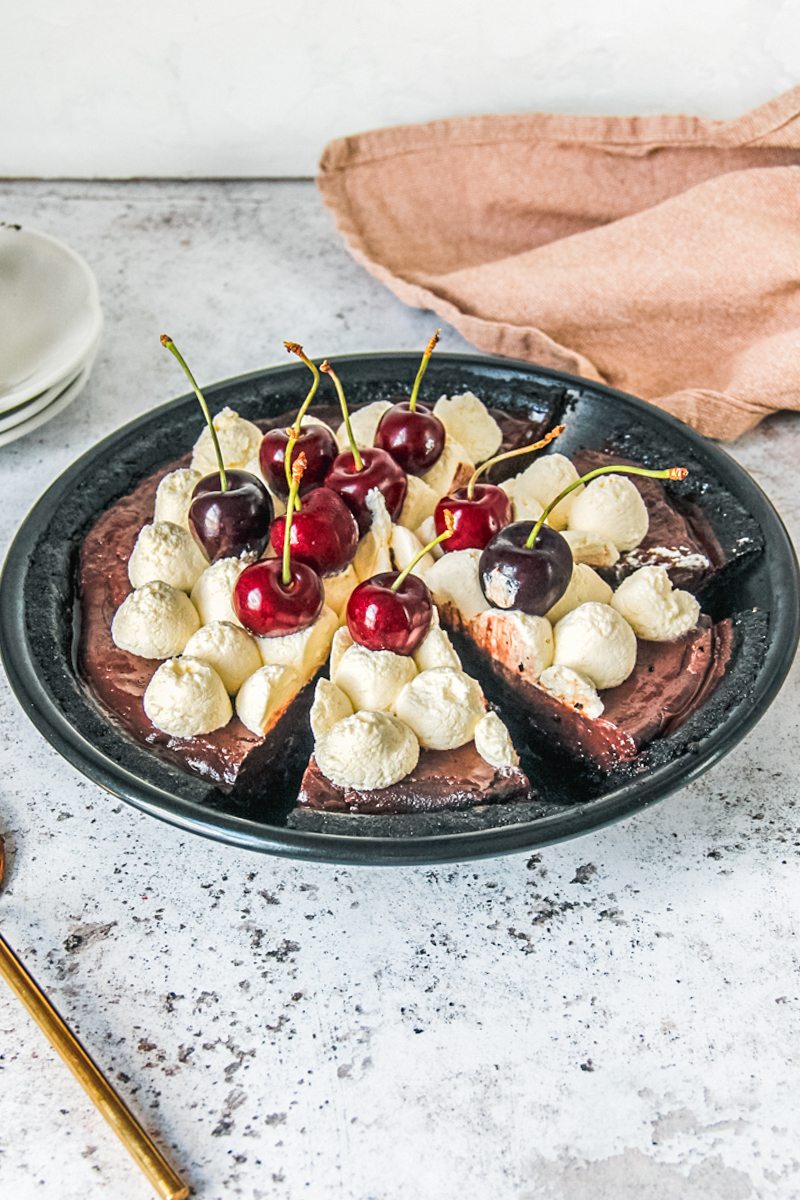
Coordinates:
660 254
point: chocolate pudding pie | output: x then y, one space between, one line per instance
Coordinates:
214 661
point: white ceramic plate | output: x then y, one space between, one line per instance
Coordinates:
23 412
49 314
62 401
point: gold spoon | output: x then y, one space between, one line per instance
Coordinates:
166 1181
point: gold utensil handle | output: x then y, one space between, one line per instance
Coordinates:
148 1157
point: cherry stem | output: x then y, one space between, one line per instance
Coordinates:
490 462
357 459
676 473
296 348
168 344
448 520
298 467
423 366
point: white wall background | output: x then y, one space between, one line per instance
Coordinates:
233 87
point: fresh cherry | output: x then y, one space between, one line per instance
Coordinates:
476 518
412 435
269 607
356 472
277 597
315 441
378 470
230 523
231 511
324 533
382 617
529 578
528 565
393 610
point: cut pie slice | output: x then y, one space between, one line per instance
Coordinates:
669 683
396 734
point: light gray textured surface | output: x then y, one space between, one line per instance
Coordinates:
612 1018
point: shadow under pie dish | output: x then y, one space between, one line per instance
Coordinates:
228 797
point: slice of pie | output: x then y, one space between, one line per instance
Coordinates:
567 695
396 734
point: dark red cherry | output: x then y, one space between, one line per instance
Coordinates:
476 518
324 533
268 607
382 618
315 441
234 522
379 471
531 580
413 437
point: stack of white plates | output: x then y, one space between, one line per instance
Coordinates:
50 322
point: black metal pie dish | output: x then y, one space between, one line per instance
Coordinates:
40 614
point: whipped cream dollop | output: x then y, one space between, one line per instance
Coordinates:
364 424
442 707
372 679
493 742
367 750
239 441
452 468
612 508
167 552
174 495
229 649
585 584
154 621
338 587
533 489
573 689
655 610
590 549
518 638
453 579
305 650
186 697
404 548
420 502
212 595
425 533
330 705
469 423
342 640
524 504
373 555
597 642
265 695
436 650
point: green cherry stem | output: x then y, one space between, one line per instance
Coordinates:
490 462
357 459
298 467
423 366
676 473
168 344
296 348
448 520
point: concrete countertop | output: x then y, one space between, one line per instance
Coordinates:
612 1018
